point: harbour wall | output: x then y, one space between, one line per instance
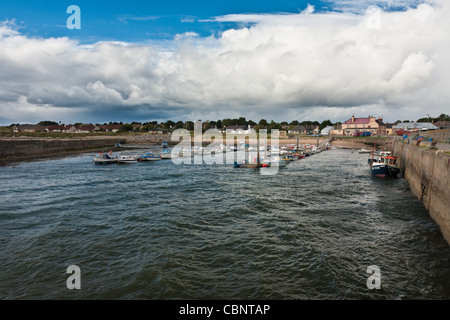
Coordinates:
360 142
427 172
439 135
16 148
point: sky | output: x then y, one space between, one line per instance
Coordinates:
188 60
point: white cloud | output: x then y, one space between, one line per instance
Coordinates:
185 35
320 65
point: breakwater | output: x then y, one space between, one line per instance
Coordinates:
16 149
359 142
427 172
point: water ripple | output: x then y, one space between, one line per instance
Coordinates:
162 231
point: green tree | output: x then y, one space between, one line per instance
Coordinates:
219 124
189 126
47 123
325 124
262 122
273 126
126 128
179 125
226 123
294 123
241 121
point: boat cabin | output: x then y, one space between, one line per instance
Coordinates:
388 160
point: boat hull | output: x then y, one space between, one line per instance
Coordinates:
384 171
126 161
105 161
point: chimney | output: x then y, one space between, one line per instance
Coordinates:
353 118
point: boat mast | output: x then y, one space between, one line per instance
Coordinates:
258 162
373 150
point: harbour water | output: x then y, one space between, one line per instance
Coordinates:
157 230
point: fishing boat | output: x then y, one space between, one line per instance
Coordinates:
165 144
364 151
256 162
105 158
246 164
384 167
149 156
127 159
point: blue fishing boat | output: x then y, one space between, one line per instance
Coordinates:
386 167
165 144
149 156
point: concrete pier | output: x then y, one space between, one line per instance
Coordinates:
427 172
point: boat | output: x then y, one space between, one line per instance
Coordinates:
278 161
165 144
127 159
105 158
384 153
246 164
256 163
364 151
384 167
167 154
149 156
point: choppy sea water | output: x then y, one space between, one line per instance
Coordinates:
164 231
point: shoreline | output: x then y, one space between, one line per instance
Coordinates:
26 149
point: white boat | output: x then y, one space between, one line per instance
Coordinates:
149 156
384 153
364 151
127 159
277 160
167 154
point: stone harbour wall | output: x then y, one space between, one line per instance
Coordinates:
427 172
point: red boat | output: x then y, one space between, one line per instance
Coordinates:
401 132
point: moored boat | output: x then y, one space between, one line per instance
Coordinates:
105 158
167 154
149 156
384 167
165 144
127 159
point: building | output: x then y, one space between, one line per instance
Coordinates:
443 124
390 128
369 124
327 130
111 127
25 128
299 130
238 130
401 128
302 129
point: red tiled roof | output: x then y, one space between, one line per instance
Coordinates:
111 126
86 127
358 121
